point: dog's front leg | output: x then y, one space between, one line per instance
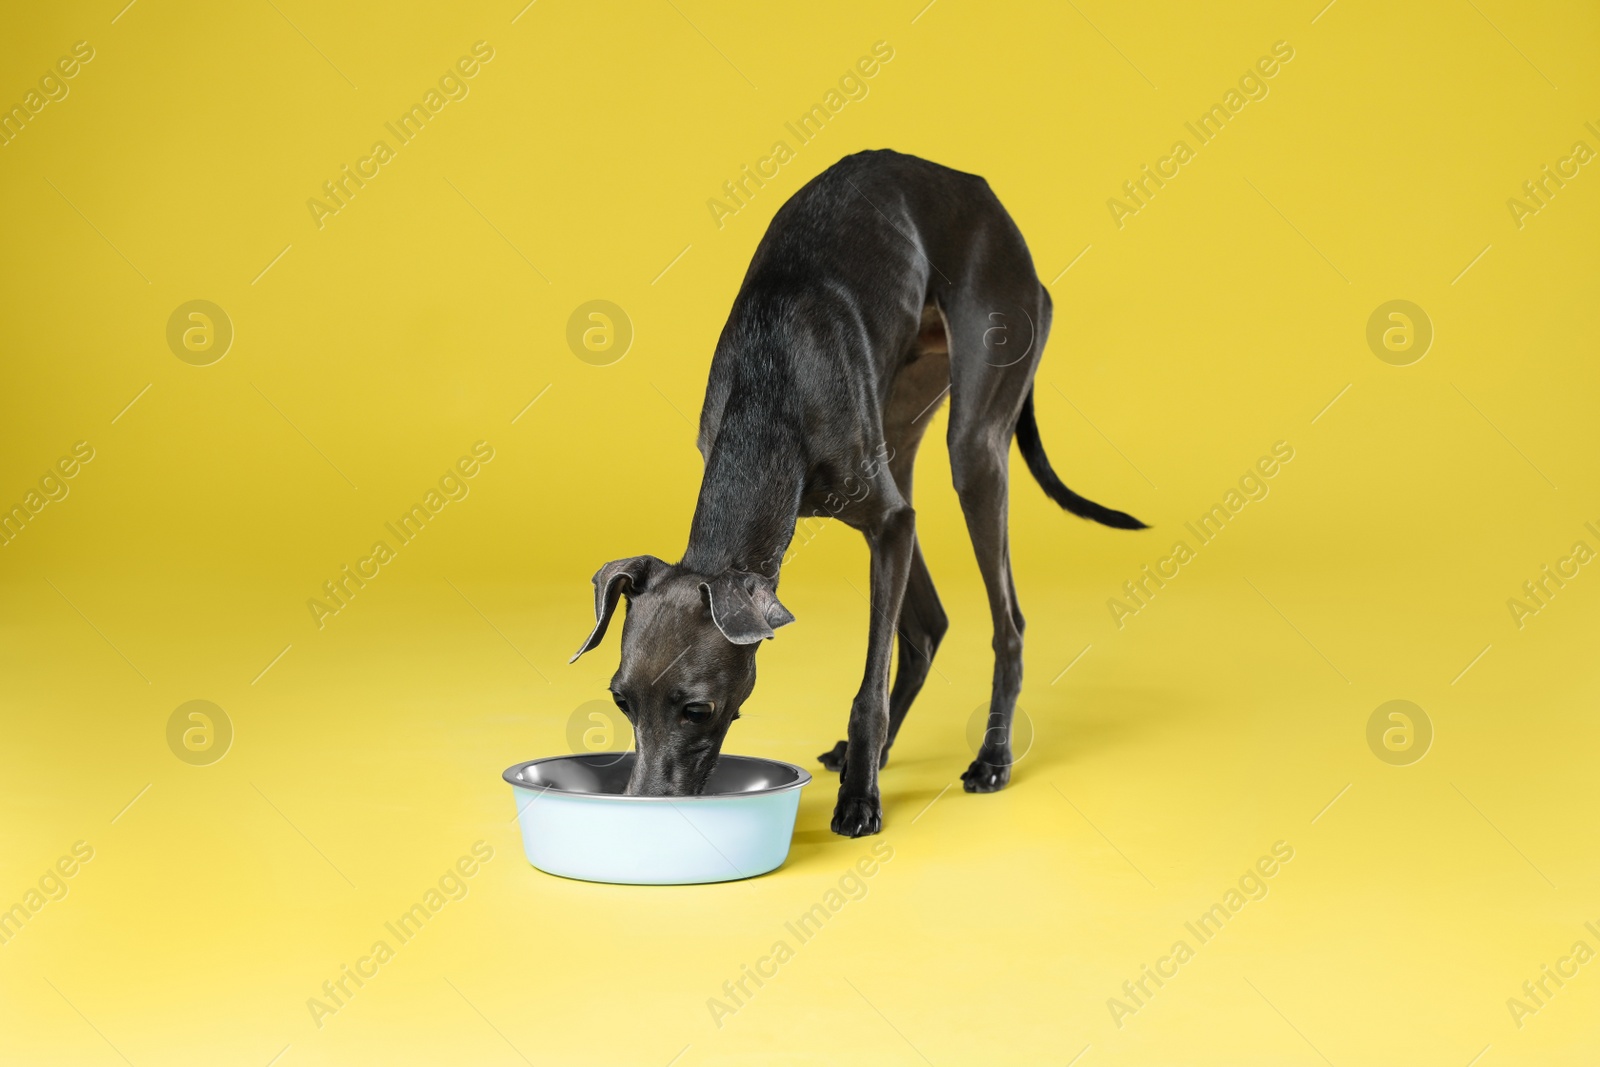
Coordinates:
860 810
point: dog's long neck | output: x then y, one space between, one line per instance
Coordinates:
749 499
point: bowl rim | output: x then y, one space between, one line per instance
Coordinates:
802 779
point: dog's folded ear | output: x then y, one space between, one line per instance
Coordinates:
744 606
616 579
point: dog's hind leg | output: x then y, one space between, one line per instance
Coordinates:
980 476
998 327
922 626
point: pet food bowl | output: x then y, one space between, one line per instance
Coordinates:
576 822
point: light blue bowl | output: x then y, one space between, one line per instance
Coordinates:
577 823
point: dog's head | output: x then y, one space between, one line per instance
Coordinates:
688 662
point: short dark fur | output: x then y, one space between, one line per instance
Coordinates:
884 282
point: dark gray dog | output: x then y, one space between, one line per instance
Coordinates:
883 284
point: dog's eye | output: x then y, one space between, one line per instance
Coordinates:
698 713
622 705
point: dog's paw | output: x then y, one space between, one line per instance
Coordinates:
983 777
857 816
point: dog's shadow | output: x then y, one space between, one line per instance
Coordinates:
1072 727
1067 728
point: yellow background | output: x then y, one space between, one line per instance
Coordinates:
1224 717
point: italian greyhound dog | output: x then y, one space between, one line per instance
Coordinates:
885 284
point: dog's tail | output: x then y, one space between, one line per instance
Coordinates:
1033 451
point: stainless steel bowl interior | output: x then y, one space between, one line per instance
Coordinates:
606 774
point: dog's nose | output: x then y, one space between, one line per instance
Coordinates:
649 787
652 779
